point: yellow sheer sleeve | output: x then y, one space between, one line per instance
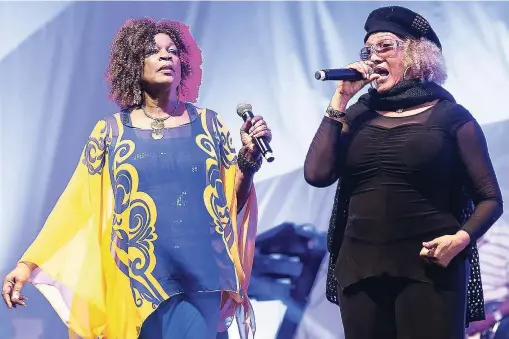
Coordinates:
68 249
245 228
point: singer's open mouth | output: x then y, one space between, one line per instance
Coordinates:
384 74
382 71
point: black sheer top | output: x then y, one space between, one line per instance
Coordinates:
403 177
404 172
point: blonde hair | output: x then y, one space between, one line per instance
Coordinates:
424 60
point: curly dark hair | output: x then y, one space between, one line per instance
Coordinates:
128 53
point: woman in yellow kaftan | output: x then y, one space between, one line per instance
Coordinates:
154 235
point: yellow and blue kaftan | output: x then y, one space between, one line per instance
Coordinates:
142 220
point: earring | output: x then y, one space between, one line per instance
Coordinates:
137 95
404 73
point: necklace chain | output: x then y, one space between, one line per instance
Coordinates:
158 123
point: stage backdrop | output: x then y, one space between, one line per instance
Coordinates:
53 57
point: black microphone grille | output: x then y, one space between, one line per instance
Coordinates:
243 108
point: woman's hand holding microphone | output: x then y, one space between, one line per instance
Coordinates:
345 90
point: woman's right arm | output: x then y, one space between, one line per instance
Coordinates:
326 155
72 214
324 158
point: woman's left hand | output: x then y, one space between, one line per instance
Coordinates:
443 249
254 127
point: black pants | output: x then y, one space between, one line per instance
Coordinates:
401 308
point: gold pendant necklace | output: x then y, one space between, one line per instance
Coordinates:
157 128
158 123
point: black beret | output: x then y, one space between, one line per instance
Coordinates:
400 21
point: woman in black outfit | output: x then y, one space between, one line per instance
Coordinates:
409 160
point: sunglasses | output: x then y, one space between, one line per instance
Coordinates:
384 49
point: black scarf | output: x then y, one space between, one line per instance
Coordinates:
405 94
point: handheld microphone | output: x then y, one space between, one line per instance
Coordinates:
245 111
339 74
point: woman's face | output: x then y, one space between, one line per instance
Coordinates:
161 67
386 58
